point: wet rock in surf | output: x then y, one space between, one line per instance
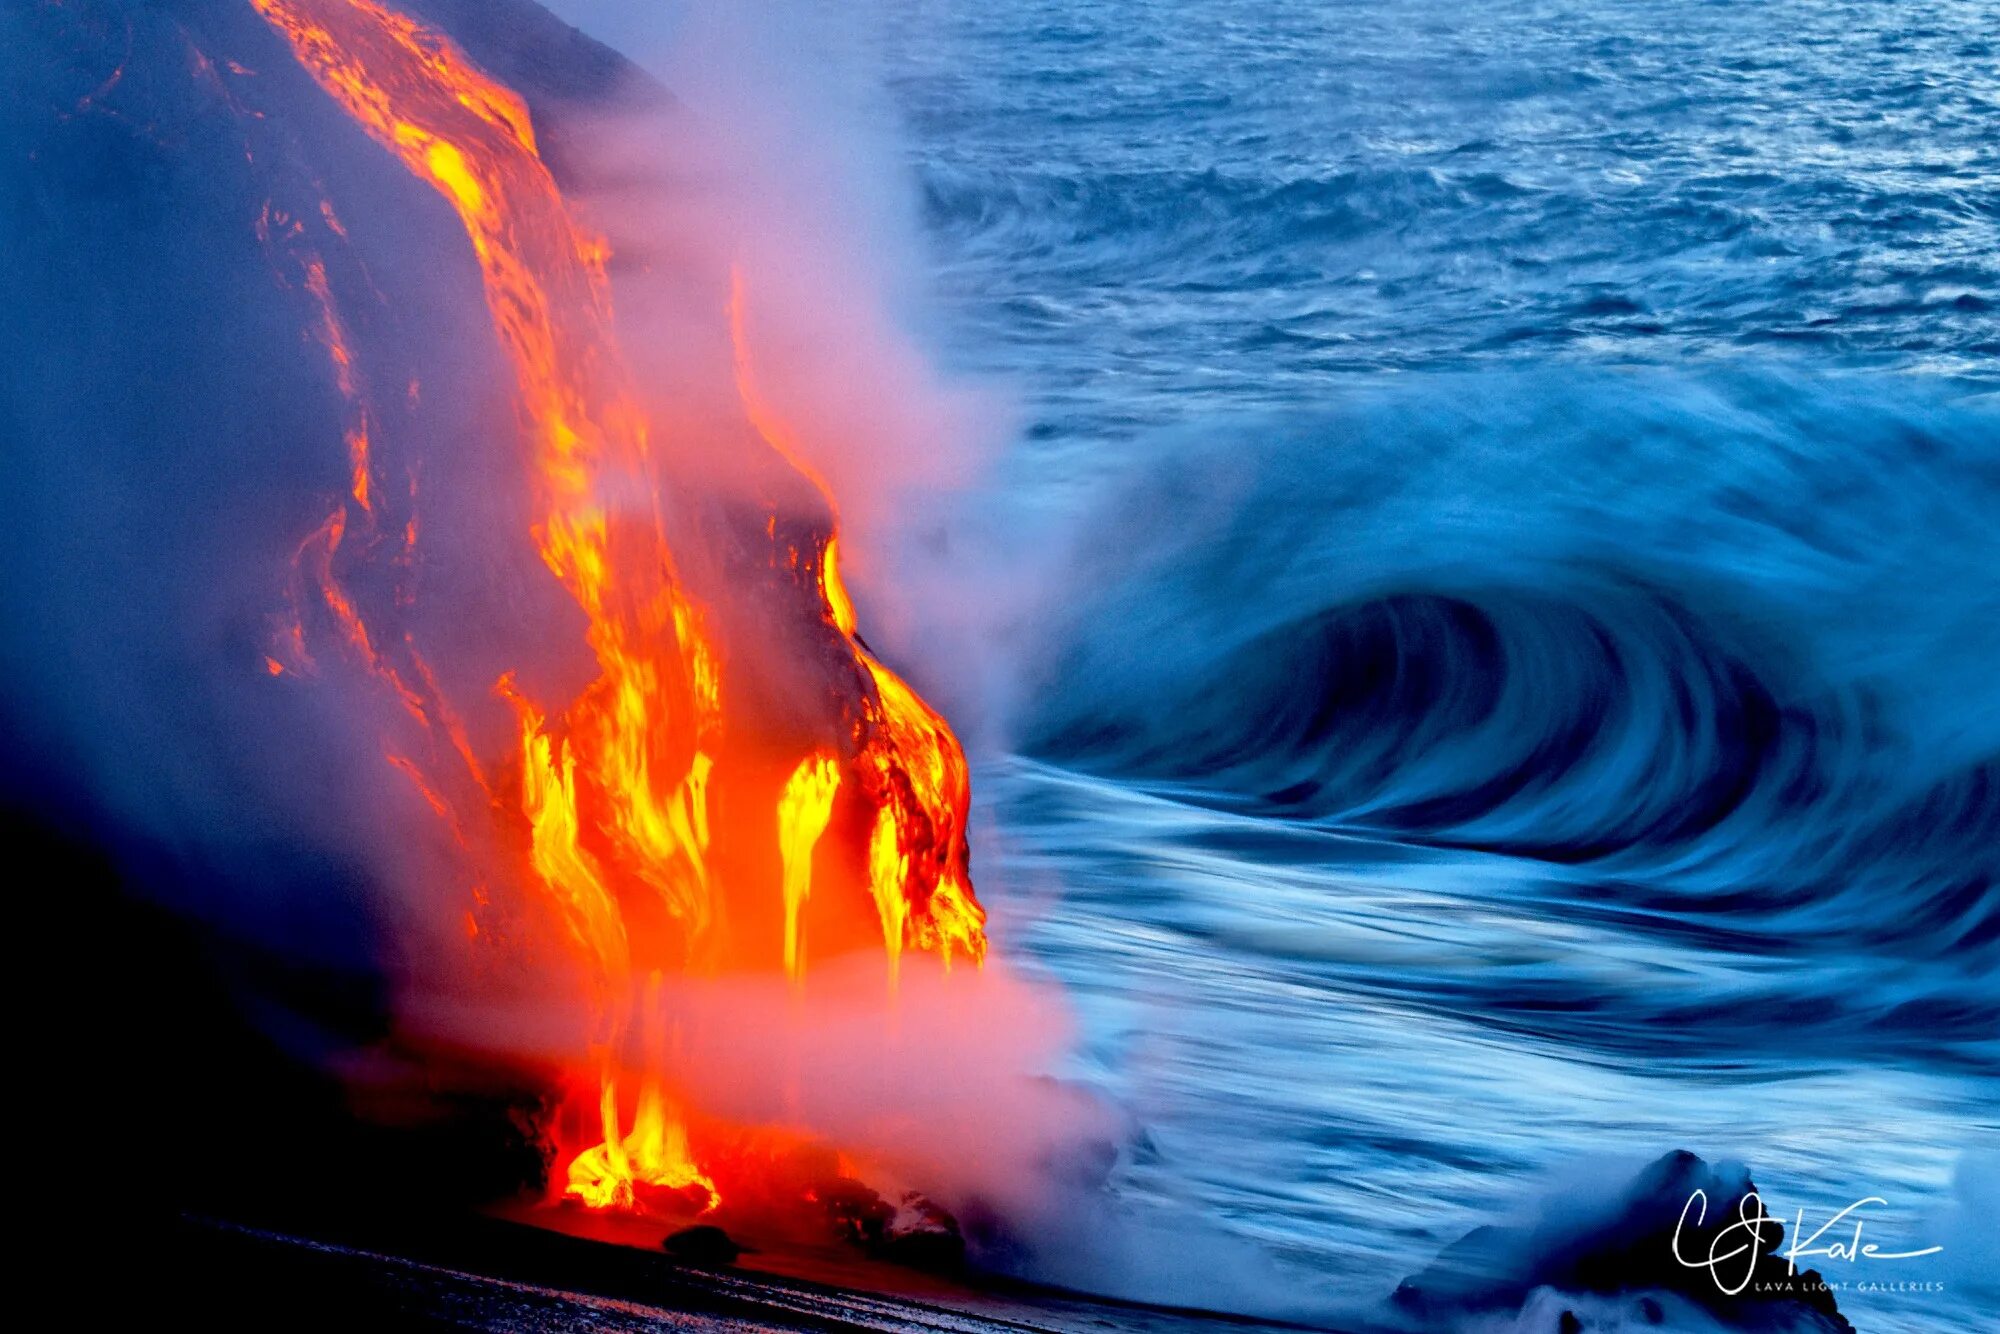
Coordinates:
923 1236
1610 1261
916 1232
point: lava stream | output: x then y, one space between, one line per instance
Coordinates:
612 800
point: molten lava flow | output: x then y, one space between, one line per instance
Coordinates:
620 789
803 812
655 1157
910 761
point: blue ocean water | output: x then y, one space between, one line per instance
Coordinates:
1515 693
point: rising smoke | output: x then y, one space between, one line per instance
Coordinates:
178 399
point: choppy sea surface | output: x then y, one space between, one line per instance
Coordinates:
1517 493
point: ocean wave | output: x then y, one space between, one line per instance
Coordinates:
1723 643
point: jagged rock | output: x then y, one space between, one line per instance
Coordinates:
859 1215
923 1236
702 1244
1623 1246
917 1233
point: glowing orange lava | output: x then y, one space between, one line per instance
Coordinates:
611 798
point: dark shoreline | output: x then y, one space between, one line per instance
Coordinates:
493 1274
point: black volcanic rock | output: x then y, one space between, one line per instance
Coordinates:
179 429
1622 1245
923 1236
563 75
702 1244
917 1233
531 50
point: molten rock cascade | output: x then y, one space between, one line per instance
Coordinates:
662 814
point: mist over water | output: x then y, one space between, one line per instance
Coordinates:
1478 655
1488 774
275 572
1509 491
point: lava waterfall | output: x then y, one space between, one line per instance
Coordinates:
562 687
